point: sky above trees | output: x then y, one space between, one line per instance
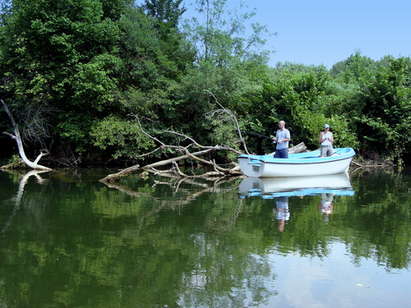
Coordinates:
325 32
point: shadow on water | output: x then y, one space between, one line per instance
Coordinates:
71 241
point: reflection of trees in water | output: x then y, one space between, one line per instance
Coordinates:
128 247
226 275
150 244
382 220
221 272
375 223
19 195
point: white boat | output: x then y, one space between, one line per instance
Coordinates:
338 184
300 164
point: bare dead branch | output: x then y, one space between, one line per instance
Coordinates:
185 136
357 164
216 168
10 135
179 172
149 153
40 156
6 108
144 132
115 176
233 117
170 160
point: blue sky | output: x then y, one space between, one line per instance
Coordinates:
325 32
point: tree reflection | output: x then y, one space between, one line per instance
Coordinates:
152 244
20 191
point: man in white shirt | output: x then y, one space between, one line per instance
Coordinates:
282 137
326 141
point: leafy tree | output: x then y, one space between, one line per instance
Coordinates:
353 69
60 56
79 62
383 111
167 12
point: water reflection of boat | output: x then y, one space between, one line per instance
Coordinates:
267 188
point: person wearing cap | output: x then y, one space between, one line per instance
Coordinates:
326 141
282 137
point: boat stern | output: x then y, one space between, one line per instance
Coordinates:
251 167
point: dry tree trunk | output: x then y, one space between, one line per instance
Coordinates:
115 176
32 164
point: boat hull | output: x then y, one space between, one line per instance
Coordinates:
262 166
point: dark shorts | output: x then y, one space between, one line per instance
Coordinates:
283 153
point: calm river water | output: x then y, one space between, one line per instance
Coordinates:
67 240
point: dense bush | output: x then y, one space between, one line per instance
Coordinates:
74 73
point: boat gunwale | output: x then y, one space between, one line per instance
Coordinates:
296 163
300 161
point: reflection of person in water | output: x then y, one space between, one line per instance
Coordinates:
281 212
326 205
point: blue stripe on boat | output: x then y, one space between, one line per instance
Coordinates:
300 158
305 192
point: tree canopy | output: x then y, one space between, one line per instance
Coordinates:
76 73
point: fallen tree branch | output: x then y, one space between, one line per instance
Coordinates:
174 159
371 164
115 176
152 167
357 164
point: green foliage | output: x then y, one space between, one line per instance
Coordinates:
384 109
300 96
60 55
15 162
167 12
355 68
343 135
125 138
68 67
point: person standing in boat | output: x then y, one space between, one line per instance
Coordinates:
282 137
326 141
